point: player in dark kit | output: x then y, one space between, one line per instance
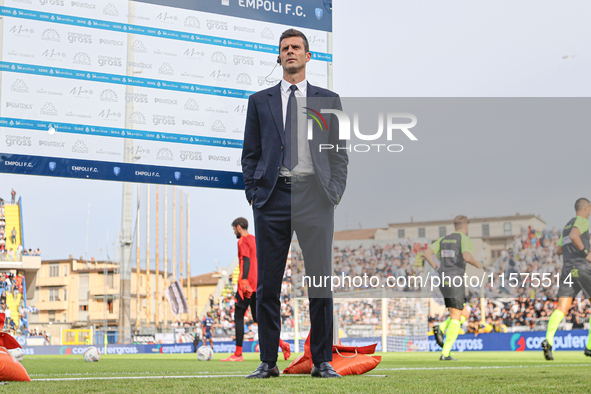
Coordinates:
454 251
207 324
574 246
247 285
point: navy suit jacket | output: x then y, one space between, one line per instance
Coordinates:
262 154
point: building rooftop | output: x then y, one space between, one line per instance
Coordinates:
347 235
210 278
472 220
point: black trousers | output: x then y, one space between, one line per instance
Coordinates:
239 312
302 208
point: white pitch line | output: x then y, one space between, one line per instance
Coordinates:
306 375
139 377
172 377
484 367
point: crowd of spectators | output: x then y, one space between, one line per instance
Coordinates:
37 334
525 307
531 252
222 313
10 282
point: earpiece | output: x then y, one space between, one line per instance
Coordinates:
278 59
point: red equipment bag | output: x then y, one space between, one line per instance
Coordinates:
11 369
346 360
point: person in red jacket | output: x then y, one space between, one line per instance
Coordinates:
247 285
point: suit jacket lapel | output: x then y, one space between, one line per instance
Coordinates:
276 109
312 91
318 136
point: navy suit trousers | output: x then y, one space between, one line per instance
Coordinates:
302 208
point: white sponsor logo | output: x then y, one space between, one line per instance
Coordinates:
109 61
218 126
218 57
110 10
50 35
12 140
49 109
82 58
80 4
166 69
191 105
19 86
164 154
138 46
79 38
193 22
80 147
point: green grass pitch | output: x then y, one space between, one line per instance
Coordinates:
490 372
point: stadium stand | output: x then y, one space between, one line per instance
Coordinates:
527 309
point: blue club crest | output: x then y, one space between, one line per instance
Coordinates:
52 165
235 179
318 12
177 175
116 171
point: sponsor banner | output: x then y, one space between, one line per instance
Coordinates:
167 338
574 340
30 124
313 14
142 339
92 147
174 79
94 108
150 31
178 348
359 330
123 172
517 342
122 80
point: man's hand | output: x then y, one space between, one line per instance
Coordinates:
244 288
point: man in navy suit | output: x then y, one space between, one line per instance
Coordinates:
293 186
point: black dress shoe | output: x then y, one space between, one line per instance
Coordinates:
263 371
325 371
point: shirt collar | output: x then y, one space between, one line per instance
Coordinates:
302 86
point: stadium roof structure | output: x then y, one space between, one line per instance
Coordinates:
472 220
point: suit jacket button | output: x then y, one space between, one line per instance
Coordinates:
278 168
281 147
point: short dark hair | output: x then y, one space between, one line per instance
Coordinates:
581 203
294 33
460 221
240 222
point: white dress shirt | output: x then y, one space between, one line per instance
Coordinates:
304 166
